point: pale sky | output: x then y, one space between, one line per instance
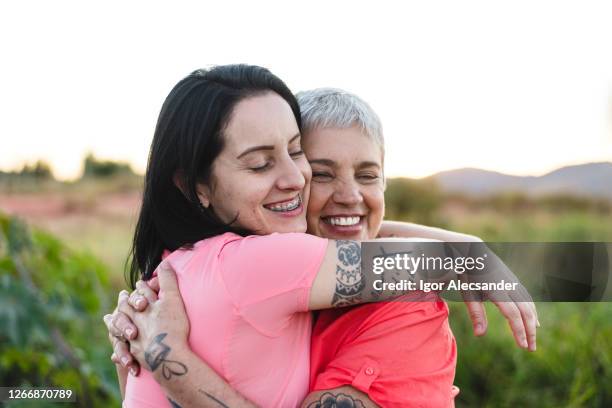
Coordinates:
520 87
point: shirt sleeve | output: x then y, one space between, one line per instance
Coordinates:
269 277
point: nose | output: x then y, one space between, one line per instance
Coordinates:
290 177
347 193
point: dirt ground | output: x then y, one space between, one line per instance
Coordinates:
100 223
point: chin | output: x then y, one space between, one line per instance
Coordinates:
290 227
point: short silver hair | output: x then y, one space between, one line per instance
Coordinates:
336 108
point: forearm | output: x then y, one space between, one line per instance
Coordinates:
199 385
341 396
346 279
122 374
409 230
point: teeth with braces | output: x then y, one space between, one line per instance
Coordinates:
344 221
290 206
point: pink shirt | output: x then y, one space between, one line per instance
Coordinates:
247 303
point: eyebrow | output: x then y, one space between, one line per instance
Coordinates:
325 162
368 164
331 163
264 147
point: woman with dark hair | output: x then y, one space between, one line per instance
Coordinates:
225 163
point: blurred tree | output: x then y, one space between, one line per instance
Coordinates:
412 200
92 167
40 170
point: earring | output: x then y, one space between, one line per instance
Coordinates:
202 208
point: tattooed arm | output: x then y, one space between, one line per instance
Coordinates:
188 380
408 230
342 281
476 310
344 396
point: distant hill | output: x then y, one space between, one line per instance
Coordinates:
591 179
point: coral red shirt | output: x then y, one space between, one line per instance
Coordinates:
400 353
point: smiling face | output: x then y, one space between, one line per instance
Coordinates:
347 190
261 177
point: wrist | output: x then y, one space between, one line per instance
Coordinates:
168 359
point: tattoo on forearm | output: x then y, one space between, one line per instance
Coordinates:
329 400
350 281
156 356
218 401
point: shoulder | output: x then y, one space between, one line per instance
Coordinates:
276 243
377 326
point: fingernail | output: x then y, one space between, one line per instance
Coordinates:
125 361
478 328
524 343
129 332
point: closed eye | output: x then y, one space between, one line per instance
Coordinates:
299 153
259 169
321 176
367 177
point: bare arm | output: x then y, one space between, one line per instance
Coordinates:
408 230
122 374
476 310
342 282
338 397
188 380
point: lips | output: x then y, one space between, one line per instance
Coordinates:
343 226
285 206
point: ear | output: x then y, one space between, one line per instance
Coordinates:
179 181
203 194
202 190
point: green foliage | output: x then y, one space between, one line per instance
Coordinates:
50 299
416 200
40 170
571 368
573 364
92 167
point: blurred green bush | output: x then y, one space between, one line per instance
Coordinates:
572 366
93 167
51 303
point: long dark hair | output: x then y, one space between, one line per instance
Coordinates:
188 137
